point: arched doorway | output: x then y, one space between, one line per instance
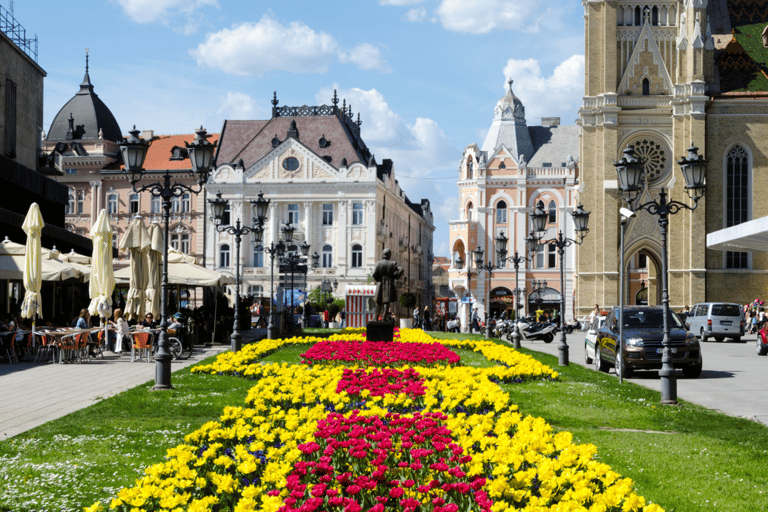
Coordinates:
501 301
544 299
642 285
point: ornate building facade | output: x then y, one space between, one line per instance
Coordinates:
320 176
658 76
515 170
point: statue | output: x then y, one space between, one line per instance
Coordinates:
385 274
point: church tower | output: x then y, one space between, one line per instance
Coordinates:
648 77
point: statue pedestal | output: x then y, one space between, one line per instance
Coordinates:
379 331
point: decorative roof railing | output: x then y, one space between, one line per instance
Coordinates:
17 33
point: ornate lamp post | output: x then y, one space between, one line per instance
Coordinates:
516 260
580 220
460 265
295 262
489 267
218 207
630 172
133 152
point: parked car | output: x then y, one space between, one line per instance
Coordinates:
589 339
719 320
642 346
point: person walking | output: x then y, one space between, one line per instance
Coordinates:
416 319
343 316
427 319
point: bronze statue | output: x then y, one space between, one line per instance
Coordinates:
385 274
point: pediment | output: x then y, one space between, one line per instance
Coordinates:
291 161
227 173
645 62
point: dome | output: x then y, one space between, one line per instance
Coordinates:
510 106
509 128
84 116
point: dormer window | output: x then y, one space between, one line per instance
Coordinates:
502 165
323 142
275 141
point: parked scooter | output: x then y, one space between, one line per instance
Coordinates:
531 330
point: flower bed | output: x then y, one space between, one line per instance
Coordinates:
311 435
370 353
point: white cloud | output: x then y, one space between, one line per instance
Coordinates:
380 123
417 14
236 105
259 48
365 56
166 11
399 2
559 94
483 16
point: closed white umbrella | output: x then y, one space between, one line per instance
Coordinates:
102 282
155 269
33 271
136 240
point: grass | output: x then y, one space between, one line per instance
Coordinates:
685 458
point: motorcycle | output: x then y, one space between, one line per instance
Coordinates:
531 330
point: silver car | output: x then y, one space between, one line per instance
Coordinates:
717 320
589 340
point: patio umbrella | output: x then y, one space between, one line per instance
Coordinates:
12 263
154 267
136 240
33 266
102 282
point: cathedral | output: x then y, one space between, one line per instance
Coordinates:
660 76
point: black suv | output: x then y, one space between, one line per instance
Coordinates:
642 348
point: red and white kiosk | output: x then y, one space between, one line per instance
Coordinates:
359 304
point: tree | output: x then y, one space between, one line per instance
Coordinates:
408 301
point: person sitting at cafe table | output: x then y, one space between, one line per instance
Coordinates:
82 321
149 321
121 324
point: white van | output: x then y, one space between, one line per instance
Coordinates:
719 320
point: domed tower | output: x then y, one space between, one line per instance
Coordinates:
509 127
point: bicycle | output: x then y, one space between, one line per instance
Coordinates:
179 343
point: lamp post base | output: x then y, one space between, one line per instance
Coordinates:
162 374
236 341
668 386
516 336
562 354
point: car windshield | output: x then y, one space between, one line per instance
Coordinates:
649 319
726 310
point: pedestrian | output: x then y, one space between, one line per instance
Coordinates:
416 319
595 312
343 316
326 318
427 319
475 322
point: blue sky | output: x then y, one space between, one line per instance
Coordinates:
425 75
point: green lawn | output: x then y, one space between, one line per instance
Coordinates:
685 458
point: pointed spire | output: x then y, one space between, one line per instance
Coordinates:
510 84
86 61
359 122
274 104
86 87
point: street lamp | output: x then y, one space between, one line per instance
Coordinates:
218 208
516 260
488 267
460 265
295 262
580 221
133 152
630 171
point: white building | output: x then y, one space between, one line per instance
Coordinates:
314 167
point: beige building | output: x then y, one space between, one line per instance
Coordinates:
660 75
515 170
313 165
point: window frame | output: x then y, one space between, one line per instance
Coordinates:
327 217
134 203
357 256
357 213
258 256
113 203
293 213
327 256
501 212
225 252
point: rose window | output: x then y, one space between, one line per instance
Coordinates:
655 157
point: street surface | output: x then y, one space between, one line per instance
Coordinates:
733 381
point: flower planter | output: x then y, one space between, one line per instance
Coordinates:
406 323
333 325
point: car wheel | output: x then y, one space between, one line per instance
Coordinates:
760 348
737 339
549 337
719 339
599 364
587 359
703 337
692 371
621 367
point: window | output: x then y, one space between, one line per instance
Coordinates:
185 202
180 242
258 256
70 171
115 239
328 256
80 201
225 221
736 199
291 163
646 87
469 168
642 260
551 256
10 119
501 212
175 205
357 256
469 212
157 204
552 212
71 202
327 215
112 204
134 203
256 290
224 255
357 214
540 256
293 213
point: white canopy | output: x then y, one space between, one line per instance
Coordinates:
12 257
750 236
183 270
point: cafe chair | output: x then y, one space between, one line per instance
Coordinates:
142 343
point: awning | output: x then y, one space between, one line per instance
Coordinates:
12 264
750 236
181 270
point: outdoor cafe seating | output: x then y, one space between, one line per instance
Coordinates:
142 343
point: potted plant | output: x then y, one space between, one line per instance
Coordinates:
333 311
408 301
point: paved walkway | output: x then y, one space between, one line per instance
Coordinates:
34 393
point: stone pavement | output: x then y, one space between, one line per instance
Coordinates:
35 393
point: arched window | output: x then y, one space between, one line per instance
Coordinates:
357 256
258 256
470 167
501 212
133 200
655 16
638 16
328 256
224 255
552 209
71 202
646 87
737 178
112 204
469 212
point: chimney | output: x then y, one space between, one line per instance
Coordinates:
550 121
148 134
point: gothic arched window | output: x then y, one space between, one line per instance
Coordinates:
552 207
469 168
646 87
501 212
737 185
